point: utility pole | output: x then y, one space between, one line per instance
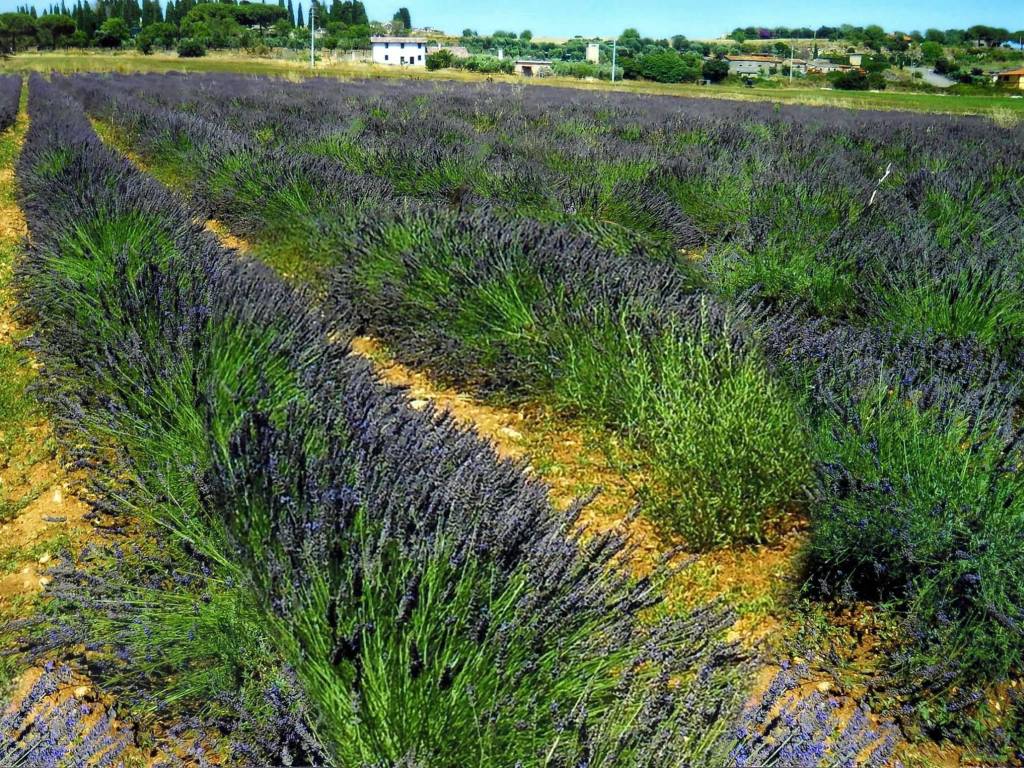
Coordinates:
792 62
312 29
614 43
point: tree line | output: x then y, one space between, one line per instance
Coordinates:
875 37
222 24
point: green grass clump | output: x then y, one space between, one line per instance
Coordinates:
790 253
190 645
726 447
965 303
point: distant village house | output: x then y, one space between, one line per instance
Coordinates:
399 51
533 67
1012 77
752 64
825 66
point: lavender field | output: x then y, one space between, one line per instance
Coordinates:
804 325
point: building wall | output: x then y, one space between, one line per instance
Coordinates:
533 70
749 67
593 53
392 54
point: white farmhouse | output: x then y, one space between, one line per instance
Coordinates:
399 51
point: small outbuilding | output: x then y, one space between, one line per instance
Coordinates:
1011 77
399 51
533 67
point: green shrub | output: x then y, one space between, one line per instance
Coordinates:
584 69
876 81
485 64
670 67
191 49
849 81
726 450
924 506
439 59
716 70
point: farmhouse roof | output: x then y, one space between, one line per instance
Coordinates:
1019 72
458 51
534 61
392 39
753 57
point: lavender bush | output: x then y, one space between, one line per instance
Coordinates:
36 732
783 729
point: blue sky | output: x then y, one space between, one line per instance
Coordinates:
663 18
695 18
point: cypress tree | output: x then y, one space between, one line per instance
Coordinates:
300 22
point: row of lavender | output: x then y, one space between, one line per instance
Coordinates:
40 730
420 600
878 264
10 95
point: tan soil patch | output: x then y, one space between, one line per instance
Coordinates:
227 239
